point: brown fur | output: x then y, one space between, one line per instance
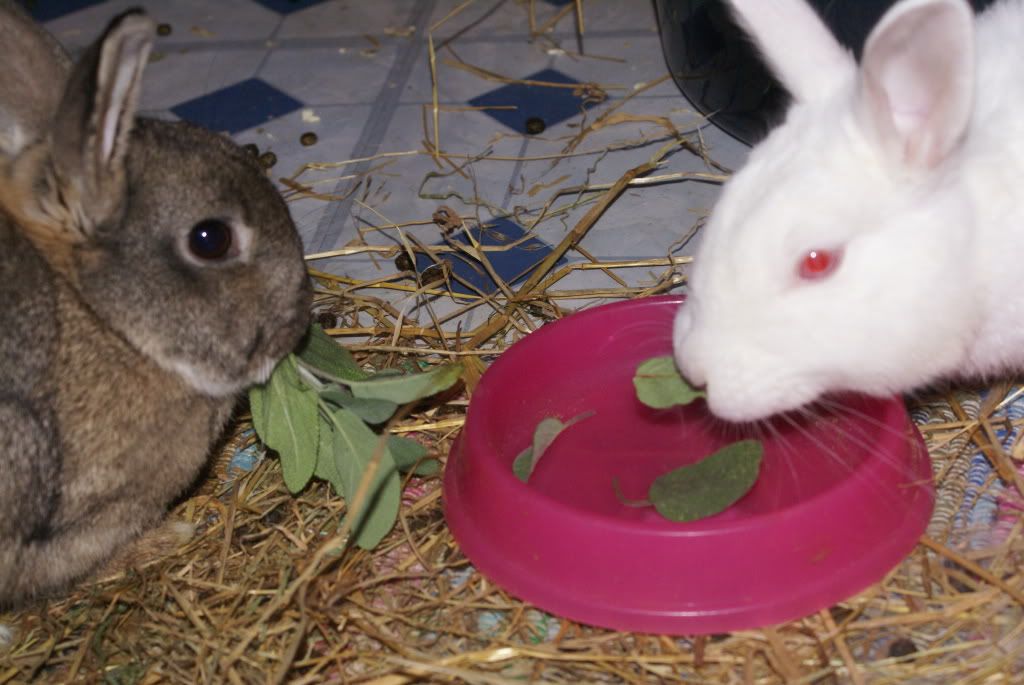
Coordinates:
30 87
121 351
126 411
153 545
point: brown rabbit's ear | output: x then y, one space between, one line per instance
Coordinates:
95 117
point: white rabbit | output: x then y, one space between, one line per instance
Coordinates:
874 241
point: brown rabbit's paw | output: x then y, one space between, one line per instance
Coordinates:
8 634
151 547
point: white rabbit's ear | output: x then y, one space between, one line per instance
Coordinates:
917 79
801 51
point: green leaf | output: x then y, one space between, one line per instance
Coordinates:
354 446
258 407
369 410
408 455
288 423
406 388
320 352
522 465
710 486
659 385
621 496
545 433
326 463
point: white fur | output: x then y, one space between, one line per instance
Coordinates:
12 136
807 71
912 165
200 378
7 635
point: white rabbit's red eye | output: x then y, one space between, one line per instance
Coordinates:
818 264
210 239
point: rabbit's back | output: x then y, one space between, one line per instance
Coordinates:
29 453
999 91
990 166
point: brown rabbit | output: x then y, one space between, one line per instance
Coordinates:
149 272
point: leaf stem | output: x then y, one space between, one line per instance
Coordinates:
314 375
637 503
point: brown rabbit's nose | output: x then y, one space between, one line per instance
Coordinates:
286 335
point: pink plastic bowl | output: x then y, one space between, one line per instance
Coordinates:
840 500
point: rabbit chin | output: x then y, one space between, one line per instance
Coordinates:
748 404
214 384
13 138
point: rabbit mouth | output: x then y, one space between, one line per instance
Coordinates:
750 403
215 384
263 370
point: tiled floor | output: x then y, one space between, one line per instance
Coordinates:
357 74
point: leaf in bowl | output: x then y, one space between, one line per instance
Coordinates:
660 386
709 486
545 433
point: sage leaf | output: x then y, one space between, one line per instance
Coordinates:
321 353
258 408
522 465
298 459
368 409
326 465
354 447
709 486
288 423
545 433
621 496
407 388
408 455
660 386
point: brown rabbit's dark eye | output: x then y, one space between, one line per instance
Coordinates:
210 239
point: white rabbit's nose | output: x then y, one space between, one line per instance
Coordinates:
693 373
682 324
682 348
681 327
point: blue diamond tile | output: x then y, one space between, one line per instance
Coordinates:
246 104
512 265
287 6
45 10
550 105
